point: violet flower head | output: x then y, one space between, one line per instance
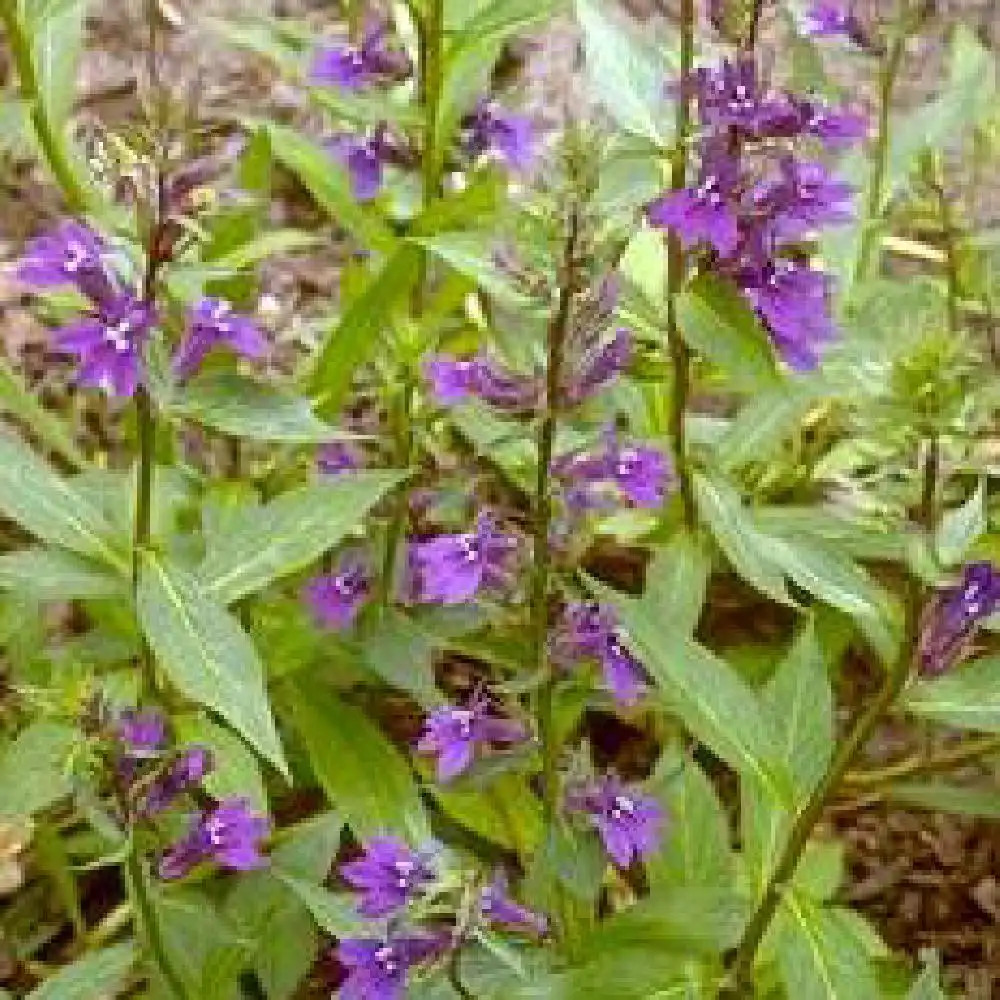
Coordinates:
356 67
830 18
71 254
953 616
489 128
455 733
836 128
230 834
598 367
338 457
363 157
387 876
588 630
187 771
497 907
142 733
804 198
452 569
456 380
109 344
732 96
630 824
336 598
213 323
377 969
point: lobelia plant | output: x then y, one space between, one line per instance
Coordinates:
516 624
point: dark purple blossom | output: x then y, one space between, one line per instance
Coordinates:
630 824
142 733
803 198
451 569
828 19
953 616
489 128
454 734
364 157
212 323
356 67
338 457
336 598
589 631
230 834
455 380
187 771
497 907
71 254
109 344
388 876
836 128
598 367
731 96
377 968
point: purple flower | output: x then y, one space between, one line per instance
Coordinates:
109 343
731 96
953 616
629 823
336 598
451 569
388 876
598 367
836 128
355 67
827 19
455 732
212 323
338 457
187 771
143 733
454 380
588 630
377 968
638 473
489 128
802 199
71 254
793 301
363 157
229 834
496 906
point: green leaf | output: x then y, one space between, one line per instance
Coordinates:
705 692
942 796
57 575
961 528
56 30
747 549
368 110
716 320
101 973
347 751
205 652
244 408
819 954
359 332
45 505
33 770
967 697
236 772
677 582
262 544
329 185
626 73
337 914
395 648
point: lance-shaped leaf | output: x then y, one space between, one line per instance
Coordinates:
205 652
101 973
56 575
968 697
47 506
261 544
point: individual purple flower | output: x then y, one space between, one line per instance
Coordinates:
793 301
836 128
731 96
356 67
363 157
489 128
338 457
828 19
451 569
455 733
455 380
803 198
336 598
630 824
388 876
230 834
213 323
589 630
142 733
377 968
109 343
598 367
187 771
953 616
497 907
71 254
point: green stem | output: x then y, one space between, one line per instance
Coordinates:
558 332
965 753
52 144
680 355
949 238
143 906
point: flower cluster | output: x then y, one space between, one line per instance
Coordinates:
752 210
109 339
954 615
